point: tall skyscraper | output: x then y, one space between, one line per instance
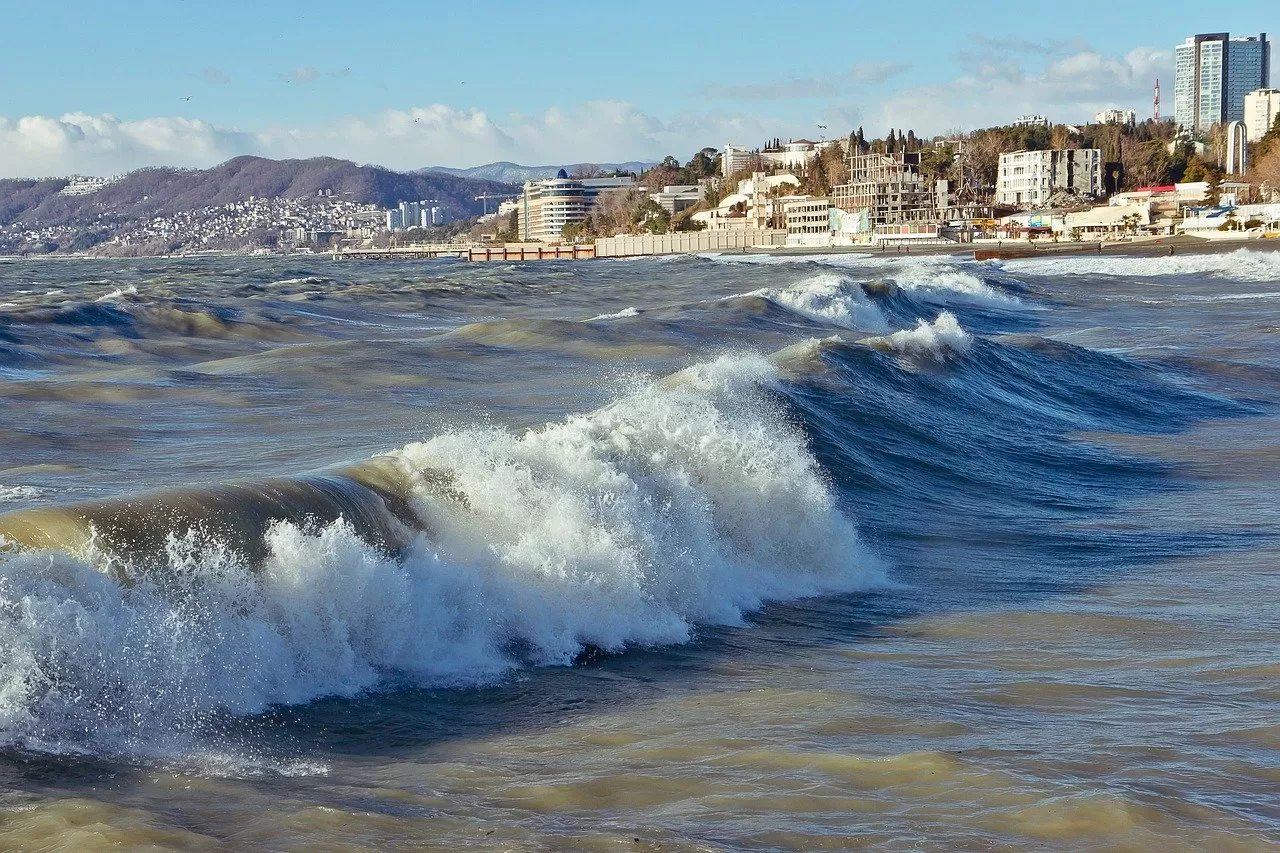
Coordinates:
1212 74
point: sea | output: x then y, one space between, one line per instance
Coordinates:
699 553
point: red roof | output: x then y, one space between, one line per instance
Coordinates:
1168 189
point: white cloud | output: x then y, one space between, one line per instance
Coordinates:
1070 88
217 76
401 139
103 144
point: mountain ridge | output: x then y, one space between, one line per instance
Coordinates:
505 171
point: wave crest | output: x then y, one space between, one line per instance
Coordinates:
688 502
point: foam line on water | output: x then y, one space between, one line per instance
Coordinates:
1240 265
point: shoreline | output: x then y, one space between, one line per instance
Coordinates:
1180 244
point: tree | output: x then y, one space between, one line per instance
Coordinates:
1213 194
1263 146
1265 172
938 163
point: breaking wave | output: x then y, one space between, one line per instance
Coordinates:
930 340
689 502
827 298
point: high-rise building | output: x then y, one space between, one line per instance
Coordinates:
1212 74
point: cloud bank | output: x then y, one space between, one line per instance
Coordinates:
993 86
77 143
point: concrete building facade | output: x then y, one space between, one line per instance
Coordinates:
887 189
735 159
1030 178
808 221
1124 117
1261 109
1212 74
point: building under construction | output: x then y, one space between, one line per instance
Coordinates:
889 198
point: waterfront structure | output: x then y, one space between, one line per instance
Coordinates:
1261 109
546 206
808 221
1030 178
1113 116
1212 74
1031 121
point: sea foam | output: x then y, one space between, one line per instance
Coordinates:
828 298
688 502
1239 265
929 340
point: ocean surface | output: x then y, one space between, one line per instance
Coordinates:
697 553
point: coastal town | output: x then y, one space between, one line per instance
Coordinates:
1212 171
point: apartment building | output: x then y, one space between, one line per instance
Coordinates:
1124 117
1030 178
808 221
1212 74
1261 108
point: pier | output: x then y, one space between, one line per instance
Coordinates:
394 253
505 252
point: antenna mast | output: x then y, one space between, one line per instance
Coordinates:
1156 103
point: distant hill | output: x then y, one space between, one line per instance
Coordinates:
514 173
148 192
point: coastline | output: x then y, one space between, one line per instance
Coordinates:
1180 244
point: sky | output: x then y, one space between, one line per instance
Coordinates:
99 88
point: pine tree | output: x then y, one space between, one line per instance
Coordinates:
890 143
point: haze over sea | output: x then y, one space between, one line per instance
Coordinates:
700 553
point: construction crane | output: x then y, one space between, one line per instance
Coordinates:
485 198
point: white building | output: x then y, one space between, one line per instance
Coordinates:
677 197
546 206
1031 121
794 154
1212 74
1261 109
808 221
753 206
1029 178
1112 116
735 159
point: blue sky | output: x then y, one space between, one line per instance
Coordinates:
105 86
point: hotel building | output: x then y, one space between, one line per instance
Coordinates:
548 205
